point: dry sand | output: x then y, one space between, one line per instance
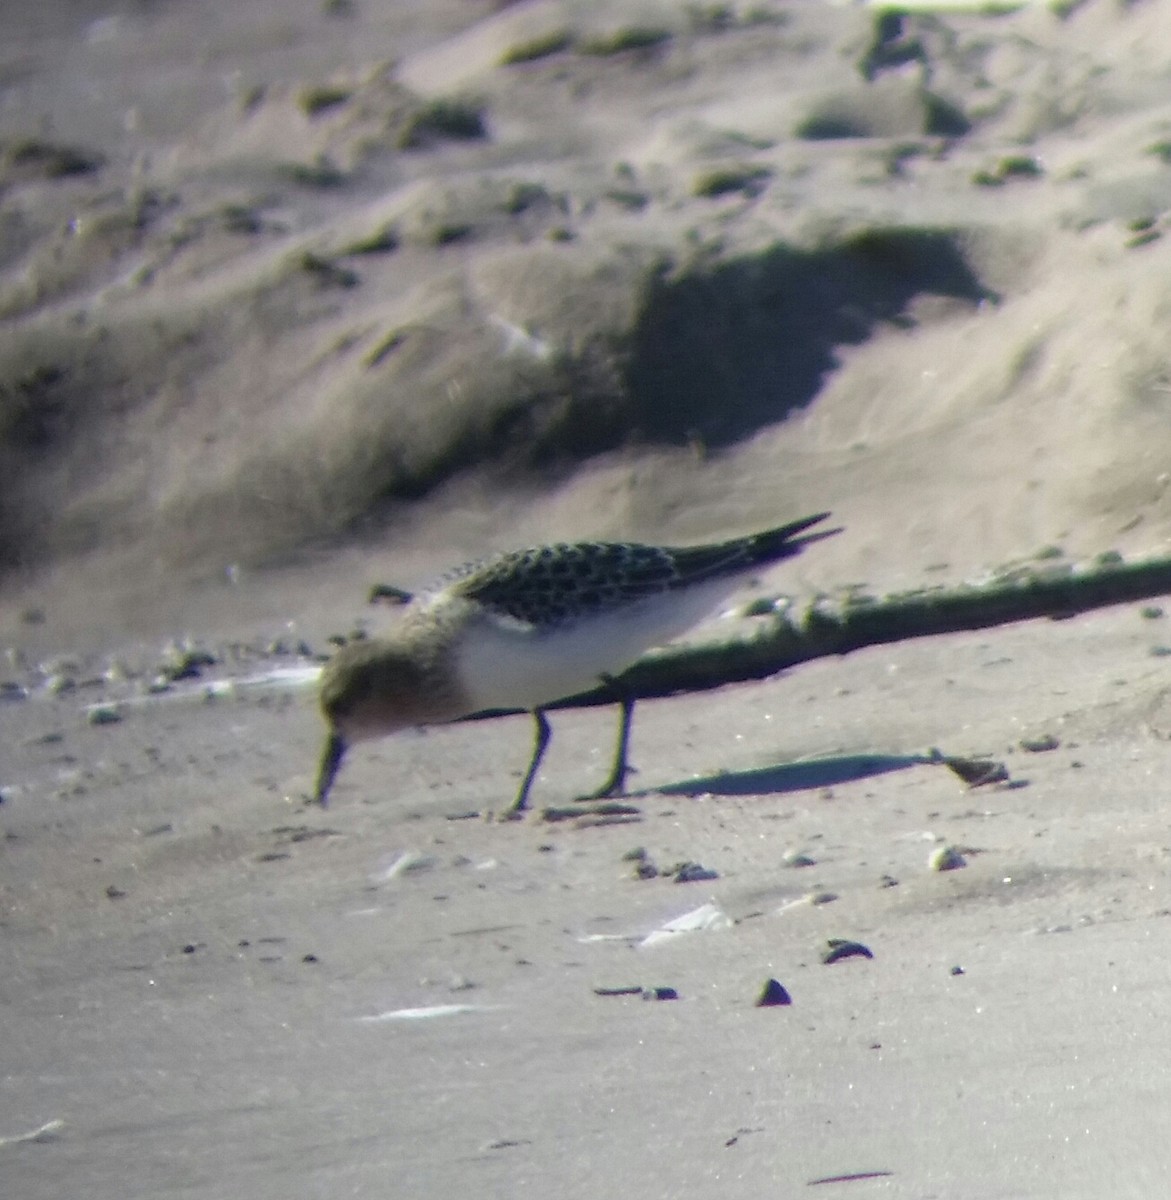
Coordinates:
296 298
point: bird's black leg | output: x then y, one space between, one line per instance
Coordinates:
615 784
331 760
543 733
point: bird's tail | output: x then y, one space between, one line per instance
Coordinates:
695 563
772 545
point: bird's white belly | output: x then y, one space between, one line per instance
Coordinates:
502 665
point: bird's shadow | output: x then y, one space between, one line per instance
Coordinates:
794 777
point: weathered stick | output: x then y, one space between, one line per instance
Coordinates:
829 628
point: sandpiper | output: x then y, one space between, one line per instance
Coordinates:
522 630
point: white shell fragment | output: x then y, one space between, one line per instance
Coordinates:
425 1013
707 916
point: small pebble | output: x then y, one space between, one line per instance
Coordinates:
660 993
773 995
1040 745
104 714
840 948
946 858
796 859
692 872
957 970
977 772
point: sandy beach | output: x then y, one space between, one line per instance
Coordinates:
299 299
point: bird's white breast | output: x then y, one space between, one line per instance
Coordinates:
505 664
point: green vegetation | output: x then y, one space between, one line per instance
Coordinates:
537 48
1014 166
315 101
748 179
443 120
319 174
633 37
326 273
47 159
381 241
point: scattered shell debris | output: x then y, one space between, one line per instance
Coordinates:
427 1012
660 993
610 812
394 865
946 858
707 916
797 858
691 872
977 772
840 948
773 995
47 1132
103 714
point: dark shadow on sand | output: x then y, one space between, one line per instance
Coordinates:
794 777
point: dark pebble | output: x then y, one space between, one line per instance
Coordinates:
660 993
773 995
692 872
840 948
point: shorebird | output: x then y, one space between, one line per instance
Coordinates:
524 629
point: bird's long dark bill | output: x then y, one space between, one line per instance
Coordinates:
331 760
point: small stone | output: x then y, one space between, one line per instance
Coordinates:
977 772
692 872
840 948
638 854
1151 612
104 714
773 995
646 870
946 858
957 970
660 993
797 859
114 893
1040 745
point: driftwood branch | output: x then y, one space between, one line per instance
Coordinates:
838 627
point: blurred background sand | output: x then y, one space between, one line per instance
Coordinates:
281 280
